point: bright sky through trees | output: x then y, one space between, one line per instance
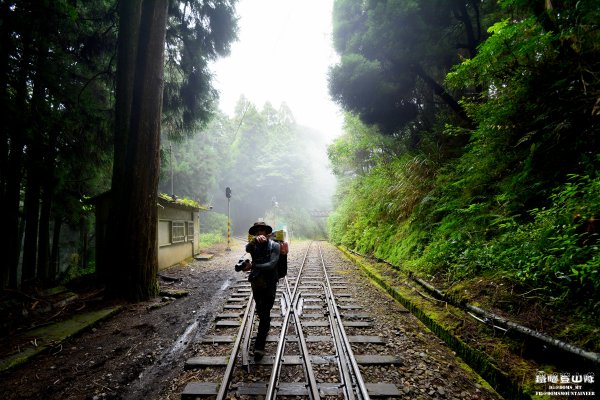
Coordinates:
282 55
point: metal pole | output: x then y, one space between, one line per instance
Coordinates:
171 164
228 226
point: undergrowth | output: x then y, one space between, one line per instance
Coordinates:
549 250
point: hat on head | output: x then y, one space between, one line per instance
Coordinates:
259 225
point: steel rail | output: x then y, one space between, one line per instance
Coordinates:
236 347
312 381
297 283
362 388
313 389
246 336
346 379
292 301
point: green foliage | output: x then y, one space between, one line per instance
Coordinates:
74 271
514 200
374 204
552 252
213 223
360 148
210 239
197 33
183 200
196 162
564 253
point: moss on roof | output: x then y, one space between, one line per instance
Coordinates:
181 201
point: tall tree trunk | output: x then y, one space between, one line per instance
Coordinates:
55 252
32 213
5 51
11 243
83 243
17 128
132 226
44 232
48 183
20 236
35 155
462 14
129 24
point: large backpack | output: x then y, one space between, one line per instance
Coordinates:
282 265
282 261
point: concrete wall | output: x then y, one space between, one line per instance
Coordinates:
173 249
169 255
169 251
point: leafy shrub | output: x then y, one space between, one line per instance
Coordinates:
563 253
210 239
213 222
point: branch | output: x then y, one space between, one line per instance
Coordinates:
441 92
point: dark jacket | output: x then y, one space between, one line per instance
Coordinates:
264 255
264 260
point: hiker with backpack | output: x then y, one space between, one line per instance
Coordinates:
268 257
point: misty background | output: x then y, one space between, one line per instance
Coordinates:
268 141
277 170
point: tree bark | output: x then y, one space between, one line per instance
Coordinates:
83 243
35 155
32 213
55 252
43 261
5 44
462 14
129 23
441 92
47 186
12 197
16 129
132 225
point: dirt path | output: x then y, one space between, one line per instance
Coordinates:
135 353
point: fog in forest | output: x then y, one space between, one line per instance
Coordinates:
277 170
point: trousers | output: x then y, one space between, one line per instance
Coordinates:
264 290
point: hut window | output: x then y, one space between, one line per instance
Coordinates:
190 230
164 233
178 229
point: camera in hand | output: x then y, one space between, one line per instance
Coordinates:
241 264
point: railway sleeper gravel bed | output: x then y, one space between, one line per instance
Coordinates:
397 358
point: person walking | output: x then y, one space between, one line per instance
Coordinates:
263 278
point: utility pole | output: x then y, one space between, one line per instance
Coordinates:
171 165
228 195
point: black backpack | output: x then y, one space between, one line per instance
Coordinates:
282 265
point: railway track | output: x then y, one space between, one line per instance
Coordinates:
309 352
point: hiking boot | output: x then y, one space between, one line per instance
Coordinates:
258 355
